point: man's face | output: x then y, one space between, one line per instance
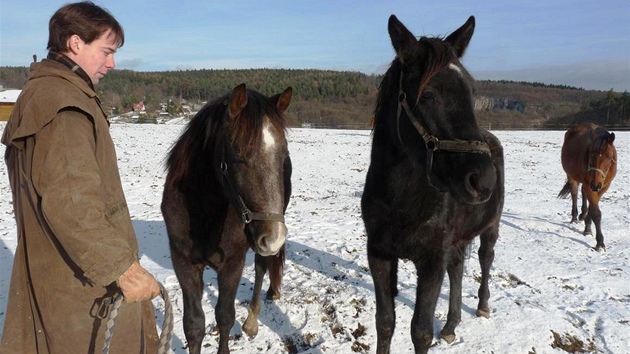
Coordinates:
96 58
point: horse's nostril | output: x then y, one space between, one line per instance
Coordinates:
472 183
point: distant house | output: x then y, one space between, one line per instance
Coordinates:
7 102
138 107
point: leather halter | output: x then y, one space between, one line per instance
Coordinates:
237 201
604 174
432 143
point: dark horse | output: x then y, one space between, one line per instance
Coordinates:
227 188
590 158
434 183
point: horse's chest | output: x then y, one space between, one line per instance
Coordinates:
417 237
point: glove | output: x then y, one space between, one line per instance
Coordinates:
137 284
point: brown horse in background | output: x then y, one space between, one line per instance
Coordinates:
590 158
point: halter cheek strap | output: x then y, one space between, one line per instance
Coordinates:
235 198
246 214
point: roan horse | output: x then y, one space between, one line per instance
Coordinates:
227 188
434 183
590 158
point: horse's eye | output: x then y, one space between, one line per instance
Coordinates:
427 95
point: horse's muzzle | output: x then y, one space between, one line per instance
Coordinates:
271 238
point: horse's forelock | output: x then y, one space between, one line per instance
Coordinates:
437 56
600 140
246 129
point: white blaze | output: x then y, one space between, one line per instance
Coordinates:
456 68
268 139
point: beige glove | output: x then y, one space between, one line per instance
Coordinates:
137 284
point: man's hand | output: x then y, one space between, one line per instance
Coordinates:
137 284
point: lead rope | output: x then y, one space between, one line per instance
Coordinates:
166 337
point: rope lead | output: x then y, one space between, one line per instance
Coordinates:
166 337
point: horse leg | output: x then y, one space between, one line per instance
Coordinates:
574 196
430 276
276 269
596 215
251 323
585 210
486 256
275 264
584 213
384 274
229 277
190 277
455 273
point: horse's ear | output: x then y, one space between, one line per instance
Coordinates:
461 37
238 100
401 37
283 99
611 138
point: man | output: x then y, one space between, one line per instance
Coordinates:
76 244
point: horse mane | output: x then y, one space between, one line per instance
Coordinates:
198 141
437 55
601 139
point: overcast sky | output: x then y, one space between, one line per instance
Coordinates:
577 43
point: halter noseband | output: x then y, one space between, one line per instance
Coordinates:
604 174
237 201
432 143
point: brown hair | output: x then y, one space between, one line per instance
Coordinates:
84 19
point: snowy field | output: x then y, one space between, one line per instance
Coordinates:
549 288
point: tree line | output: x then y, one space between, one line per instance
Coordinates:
343 98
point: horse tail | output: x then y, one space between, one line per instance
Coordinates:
565 190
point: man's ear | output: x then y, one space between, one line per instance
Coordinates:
73 43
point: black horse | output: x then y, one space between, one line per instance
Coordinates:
227 188
434 183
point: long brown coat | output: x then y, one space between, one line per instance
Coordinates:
75 236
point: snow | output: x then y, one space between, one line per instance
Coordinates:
546 279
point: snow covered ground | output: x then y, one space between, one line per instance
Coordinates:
549 289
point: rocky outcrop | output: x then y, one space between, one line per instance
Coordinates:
483 103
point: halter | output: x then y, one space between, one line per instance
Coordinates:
432 143
604 174
237 201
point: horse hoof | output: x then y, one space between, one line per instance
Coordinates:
273 295
448 338
250 329
587 233
600 248
483 313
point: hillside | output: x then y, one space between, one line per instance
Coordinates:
343 99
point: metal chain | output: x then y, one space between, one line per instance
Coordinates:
166 337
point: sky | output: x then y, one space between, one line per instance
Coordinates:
581 43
